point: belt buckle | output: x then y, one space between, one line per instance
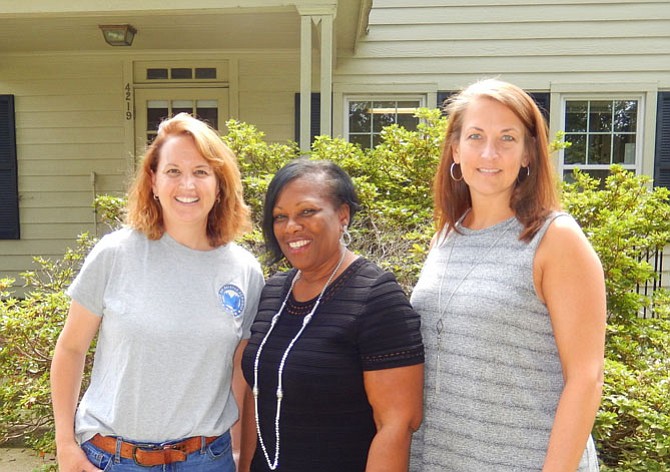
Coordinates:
165 450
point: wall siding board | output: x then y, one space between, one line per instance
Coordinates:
383 4
69 123
497 14
515 48
540 31
64 151
439 65
82 183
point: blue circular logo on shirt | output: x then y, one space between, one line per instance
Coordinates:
232 299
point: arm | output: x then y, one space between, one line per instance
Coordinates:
396 397
67 368
569 279
244 431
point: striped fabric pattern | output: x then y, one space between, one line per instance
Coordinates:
491 400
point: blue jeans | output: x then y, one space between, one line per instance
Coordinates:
217 457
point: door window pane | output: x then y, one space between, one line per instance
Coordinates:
158 110
208 111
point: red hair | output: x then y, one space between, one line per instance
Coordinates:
228 218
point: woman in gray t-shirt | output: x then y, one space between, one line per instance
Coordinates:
171 299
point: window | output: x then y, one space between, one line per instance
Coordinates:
158 110
602 132
367 116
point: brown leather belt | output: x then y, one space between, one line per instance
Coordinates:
152 455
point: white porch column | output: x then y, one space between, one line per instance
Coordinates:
326 74
305 81
323 17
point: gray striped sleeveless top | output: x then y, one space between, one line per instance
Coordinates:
493 382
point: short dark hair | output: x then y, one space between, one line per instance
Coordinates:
340 187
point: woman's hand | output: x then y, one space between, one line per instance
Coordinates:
71 458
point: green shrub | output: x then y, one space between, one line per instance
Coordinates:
623 218
29 328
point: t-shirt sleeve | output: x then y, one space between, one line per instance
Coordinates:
88 287
256 283
389 332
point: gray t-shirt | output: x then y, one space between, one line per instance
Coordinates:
172 318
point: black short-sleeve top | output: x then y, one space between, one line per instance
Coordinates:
364 322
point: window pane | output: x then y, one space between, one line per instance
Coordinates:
600 116
624 149
157 74
376 140
625 115
157 111
383 114
209 115
205 73
363 140
406 111
185 106
600 174
181 73
575 154
359 117
408 121
600 146
575 116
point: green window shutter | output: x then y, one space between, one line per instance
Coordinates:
9 195
662 157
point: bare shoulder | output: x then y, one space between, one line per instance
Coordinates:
564 236
564 256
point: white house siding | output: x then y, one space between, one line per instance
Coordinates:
267 87
425 46
69 123
533 43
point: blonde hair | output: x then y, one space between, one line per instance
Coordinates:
534 196
228 218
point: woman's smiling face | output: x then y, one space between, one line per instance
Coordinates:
185 184
491 149
308 224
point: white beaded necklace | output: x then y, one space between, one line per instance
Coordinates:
280 372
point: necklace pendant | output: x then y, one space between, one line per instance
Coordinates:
439 326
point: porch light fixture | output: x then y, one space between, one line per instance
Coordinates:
118 35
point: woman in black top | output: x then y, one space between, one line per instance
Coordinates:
335 358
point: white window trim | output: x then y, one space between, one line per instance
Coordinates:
427 91
639 131
585 90
375 98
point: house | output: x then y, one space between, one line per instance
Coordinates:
76 112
